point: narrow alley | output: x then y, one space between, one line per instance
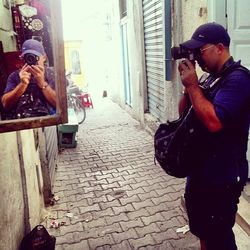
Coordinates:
111 194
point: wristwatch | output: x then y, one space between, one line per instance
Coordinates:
185 93
45 86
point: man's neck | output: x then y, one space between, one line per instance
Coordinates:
223 62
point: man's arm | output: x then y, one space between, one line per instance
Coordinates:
203 108
48 92
10 98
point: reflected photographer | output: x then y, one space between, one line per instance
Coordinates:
30 92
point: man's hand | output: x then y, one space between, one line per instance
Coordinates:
188 74
37 72
24 74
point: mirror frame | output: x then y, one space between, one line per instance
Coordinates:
61 115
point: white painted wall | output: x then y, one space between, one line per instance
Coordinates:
136 58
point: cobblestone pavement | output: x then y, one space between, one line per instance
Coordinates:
112 195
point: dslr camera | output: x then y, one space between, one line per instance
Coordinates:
182 52
31 59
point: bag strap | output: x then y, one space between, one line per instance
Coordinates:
217 83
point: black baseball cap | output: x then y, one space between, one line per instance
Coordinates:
213 33
33 46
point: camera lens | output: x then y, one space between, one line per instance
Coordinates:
30 59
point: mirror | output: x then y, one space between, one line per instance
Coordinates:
32 69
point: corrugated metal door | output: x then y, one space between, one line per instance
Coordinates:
153 38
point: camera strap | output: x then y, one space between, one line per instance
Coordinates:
213 82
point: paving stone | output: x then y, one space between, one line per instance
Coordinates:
83 245
123 209
151 228
126 235
131 224
123 245
137 214
119 199
86 209
129 200
143 204
78 227
142 242
97 242
153 218
114 203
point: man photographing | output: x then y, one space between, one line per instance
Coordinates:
30 91
223 111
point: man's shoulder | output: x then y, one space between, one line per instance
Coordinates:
14 74
240 70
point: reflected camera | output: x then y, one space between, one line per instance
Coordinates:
31 59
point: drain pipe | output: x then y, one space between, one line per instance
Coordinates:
168 38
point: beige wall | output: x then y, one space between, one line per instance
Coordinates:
186 17
79 79
193 14
16 180
33 176
11 205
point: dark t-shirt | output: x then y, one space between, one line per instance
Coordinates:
14 80
223 153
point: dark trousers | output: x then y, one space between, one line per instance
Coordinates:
211 212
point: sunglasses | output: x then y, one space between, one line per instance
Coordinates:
202 50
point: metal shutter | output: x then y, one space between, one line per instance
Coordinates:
52 149
153 39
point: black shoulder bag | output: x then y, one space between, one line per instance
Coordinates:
176 142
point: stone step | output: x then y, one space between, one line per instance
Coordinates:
243 214
241 237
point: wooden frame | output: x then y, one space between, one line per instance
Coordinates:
59 66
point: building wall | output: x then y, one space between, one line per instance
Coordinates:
12 204
70 47
186 16
20 184
135 56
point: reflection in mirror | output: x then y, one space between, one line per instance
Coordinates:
29 71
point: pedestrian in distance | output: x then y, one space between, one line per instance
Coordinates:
212 191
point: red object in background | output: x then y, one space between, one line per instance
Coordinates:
13 61
86 100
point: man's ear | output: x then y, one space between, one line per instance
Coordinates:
220 46
43 59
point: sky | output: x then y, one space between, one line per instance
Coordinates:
80 16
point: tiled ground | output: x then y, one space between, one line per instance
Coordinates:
112 195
